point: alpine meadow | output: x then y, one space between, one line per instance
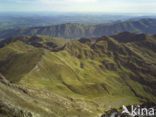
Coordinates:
77 58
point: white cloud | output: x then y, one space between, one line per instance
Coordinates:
86 5
66 1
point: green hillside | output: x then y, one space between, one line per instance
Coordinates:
104 73
76 31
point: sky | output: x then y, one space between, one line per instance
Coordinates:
105 6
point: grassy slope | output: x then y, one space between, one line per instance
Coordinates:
20 101
96 71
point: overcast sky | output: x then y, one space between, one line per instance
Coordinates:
106 6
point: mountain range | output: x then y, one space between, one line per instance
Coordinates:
10 20
76 31
53 77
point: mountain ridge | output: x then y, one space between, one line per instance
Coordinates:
76 31
104 73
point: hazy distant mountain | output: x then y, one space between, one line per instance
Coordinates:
27 19
140 26
54 78
74 31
